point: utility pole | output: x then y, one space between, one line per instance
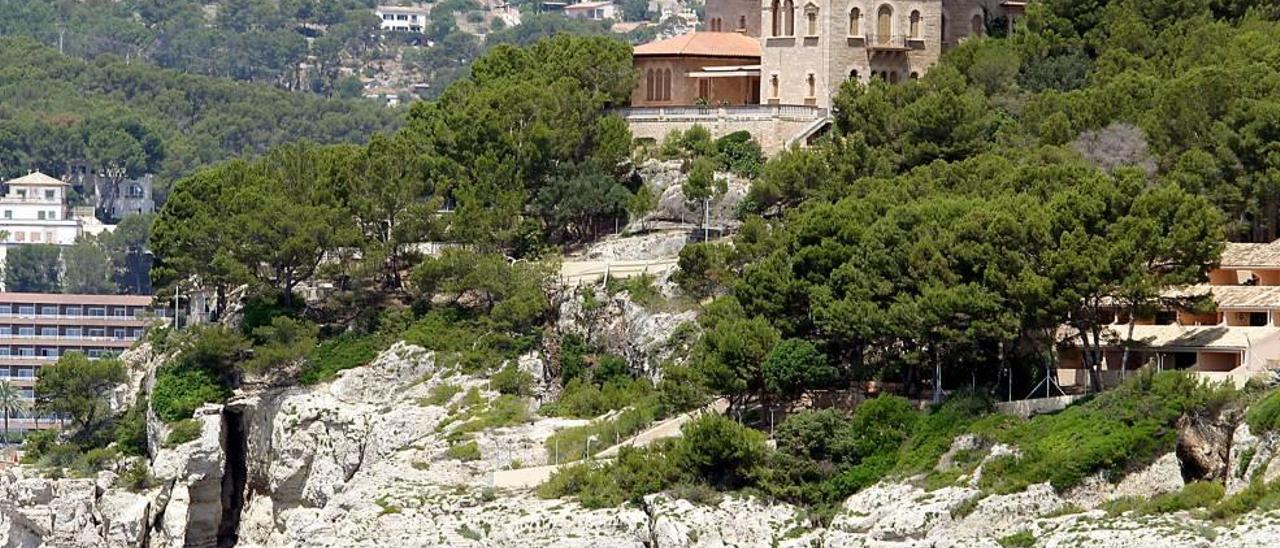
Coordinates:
61 32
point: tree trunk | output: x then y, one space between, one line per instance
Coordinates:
1090 361
1128 342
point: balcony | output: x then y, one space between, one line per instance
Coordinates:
796 113
889 44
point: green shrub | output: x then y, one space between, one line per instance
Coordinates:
137 476
180 389
1264 415
261 310
511 380
284 342
465 452
640 288
739 153
94 460
1125 428
182 432
1021 539
441 395
1257 496
581 399
37 444
60 455
811 434
340 353
1246 457
131 430
634 474
681 389
721 451
507 410
571 443
1197 494
934 432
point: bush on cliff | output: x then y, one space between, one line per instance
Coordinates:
1127 427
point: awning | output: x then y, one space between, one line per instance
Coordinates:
722 74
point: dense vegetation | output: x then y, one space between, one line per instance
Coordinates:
109 262
61 112
938 237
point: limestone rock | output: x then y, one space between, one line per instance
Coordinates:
1162 476
623 327
125 518
665 179
1204 444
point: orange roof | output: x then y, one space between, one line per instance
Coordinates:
703 44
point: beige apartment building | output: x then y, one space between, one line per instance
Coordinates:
38 328
1236 340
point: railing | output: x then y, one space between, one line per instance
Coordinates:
77 338
891 42
37 315
801 113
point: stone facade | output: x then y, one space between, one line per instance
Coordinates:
654 89
810 47
734 16
774 132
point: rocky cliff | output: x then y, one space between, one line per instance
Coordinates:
365 461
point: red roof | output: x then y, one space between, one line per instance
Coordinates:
703 44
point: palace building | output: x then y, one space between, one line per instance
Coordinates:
808 48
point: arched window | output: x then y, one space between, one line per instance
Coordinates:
884 24
742 22
666 85
812 86
775 12
893 77
649 85
915 24
979 26
789 15
855 22
811 20
704 88
915 75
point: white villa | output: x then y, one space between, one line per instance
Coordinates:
402 18
33 210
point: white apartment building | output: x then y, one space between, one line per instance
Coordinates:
594 11
402 18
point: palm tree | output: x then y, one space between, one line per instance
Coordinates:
11 402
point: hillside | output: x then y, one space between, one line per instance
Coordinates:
510 322
58 111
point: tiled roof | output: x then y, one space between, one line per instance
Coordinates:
1251 255
1183 336
704 44
1232 296
71 298
36 178
587 5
